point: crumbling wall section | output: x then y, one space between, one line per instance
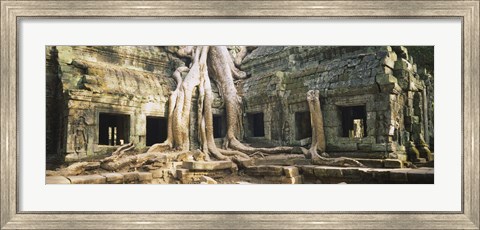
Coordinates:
133 82
418 105
368 79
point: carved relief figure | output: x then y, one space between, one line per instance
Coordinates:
80 135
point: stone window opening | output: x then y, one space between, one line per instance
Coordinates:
354 121
157 130
113 129
256 125
219 126
303 125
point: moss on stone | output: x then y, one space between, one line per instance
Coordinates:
413 154
425 153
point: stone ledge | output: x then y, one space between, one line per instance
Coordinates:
187 177
130 177
398 177
328 174
207 165
265 170
390 163
379 163
290 171
293 160
56 180
113 178
145 176
88 179
158 173
281 180
373 163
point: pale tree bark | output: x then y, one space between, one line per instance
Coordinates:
316 119
219 64
318 136
180 103
235 61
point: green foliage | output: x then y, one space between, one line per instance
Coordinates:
423 56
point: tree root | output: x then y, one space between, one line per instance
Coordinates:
340 161
134 161
262 155
119 152
215 62
318 136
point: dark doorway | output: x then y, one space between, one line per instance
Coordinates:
219 126
354 121
256 125
303 125
113 129
157 129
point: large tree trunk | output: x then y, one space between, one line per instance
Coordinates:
215 63
316 119
318 136
220 65
181 116
180 103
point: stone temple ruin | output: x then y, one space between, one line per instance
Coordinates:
377 107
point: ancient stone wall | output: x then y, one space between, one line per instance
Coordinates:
378 85
374 101
125 83
128 85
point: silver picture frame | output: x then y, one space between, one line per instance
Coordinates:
467 218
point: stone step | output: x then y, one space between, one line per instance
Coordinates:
88 179
420 161
296 159
425 164
186 176
377 163
300 160
265 170
364 155
275 174
207 165
281 180
113 178
56 180
105 178
272 170
333 175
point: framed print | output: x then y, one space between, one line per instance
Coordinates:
245 114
